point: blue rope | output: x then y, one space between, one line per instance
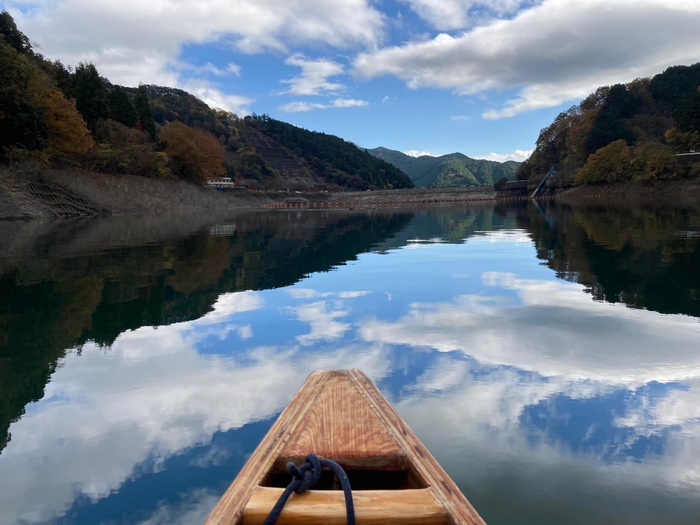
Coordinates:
306 477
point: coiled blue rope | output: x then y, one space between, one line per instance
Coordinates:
306 477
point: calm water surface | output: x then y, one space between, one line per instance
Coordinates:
548 356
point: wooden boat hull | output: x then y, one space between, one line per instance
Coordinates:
340 415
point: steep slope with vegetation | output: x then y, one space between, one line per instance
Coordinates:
446 171
64 118
334 158
624 133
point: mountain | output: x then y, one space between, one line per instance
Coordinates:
446 171
626 132
59 117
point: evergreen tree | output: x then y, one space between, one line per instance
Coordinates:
91 96
122 110
143 112
610 125
63 77
12 35
687 115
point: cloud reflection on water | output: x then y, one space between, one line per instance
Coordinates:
509 374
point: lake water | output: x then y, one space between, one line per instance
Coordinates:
548 355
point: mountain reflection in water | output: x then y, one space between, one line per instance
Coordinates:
547 355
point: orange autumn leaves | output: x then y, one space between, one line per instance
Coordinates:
68 133
193 154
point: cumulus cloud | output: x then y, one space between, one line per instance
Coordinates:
301 107
557 51
547 332
214 97
389 100
519 155
313 79
460 117
456 14
418 153
322 321
154 396
132 41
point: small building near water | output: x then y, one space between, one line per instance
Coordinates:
515 188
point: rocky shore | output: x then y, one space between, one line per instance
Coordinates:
28 194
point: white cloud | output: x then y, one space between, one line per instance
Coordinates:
314 76
547 332
231 69
309 293
229 304
557 51
459 117
300 107
418 153
322 321
353 294
151 397
132 41
388 100
245 332
214 97
518 155
455 14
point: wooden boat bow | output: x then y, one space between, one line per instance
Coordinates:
340 415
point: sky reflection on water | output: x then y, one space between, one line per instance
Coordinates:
544 405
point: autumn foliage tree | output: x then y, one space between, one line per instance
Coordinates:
624 132
193 154
67 131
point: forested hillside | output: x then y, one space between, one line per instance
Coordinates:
59 117
446 171
334 158
625 132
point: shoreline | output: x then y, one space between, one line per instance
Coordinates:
34 194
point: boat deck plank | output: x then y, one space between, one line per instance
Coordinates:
341 425
326 507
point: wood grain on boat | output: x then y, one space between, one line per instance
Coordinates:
327 507
340 415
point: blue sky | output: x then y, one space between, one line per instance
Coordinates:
477 76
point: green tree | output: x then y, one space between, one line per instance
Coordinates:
22 124
610 125
63 77
13 36
121 108
687 115
612 163
91 95
500 184
143 112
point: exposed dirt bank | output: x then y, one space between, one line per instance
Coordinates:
26 194
31 193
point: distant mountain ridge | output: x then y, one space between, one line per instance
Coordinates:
454 169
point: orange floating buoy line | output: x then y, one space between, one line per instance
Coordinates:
413 202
